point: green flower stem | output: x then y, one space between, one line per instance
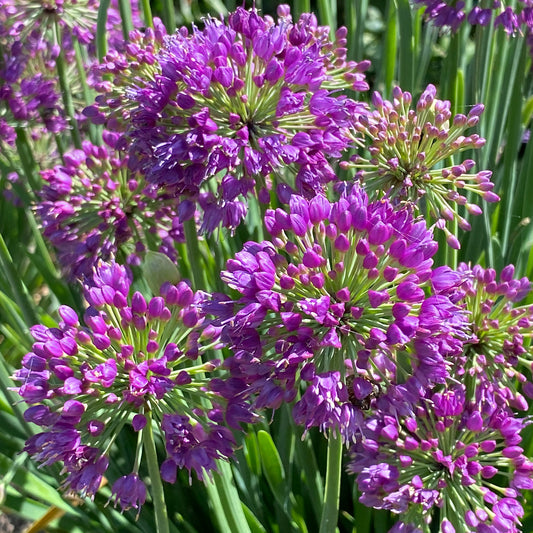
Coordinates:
147 12
226 500
88 95
26 158
101 32
169 16
20 292
158 496
330 511
65 90
124 7
327 12
194 255
301 6
390 48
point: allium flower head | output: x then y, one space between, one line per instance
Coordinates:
497 351
77 16
30 47
240 100
339 281
406 144
93 207
135 362
453 13
29 96
438 464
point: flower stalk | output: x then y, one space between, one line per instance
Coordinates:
158 495
330 510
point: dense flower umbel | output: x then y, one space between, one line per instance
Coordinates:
28 94
339 281
93 206
241 100
406 144
514 20
497 353
451 14
134 361
438 463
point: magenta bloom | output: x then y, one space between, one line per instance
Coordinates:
93 208
135 362
239 101
339 290
437 463
497 354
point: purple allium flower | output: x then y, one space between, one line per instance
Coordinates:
406 144
74 17
437 463
33 34
129 491
339 281
29 96
240 100
497 354
452 14
135 362
93 206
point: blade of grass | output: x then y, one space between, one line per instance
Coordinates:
387 69
406 60
101 31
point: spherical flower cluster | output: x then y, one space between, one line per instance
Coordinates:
439 464
93 207
496 354
135 362
29 96
406 144
340 282
26 16
74 17
33 33
514 20
239 100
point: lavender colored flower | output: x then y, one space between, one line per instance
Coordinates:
28 94
93 207
452 14
442 13
406 144
514 20
129 492
74 17
239 101
33 34
496 355
437 464
339 291
135 362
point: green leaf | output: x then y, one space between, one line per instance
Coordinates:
252 453
272 466
35 486
253 522
158 269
